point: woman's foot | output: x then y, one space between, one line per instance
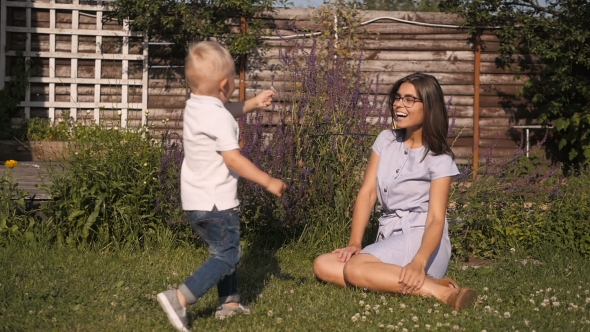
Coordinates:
461 298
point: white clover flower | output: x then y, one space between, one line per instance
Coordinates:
429 311
377 312
380 325
439 324
536 309
532 301
270 313
446 315
554 298
361 302
147 112
364 318
556 303
401 305
279 320
549 289
427 326
588 300
383 297
455 327
404 330
376 307
436 311
512 250
454 312
119 112
354 318
367 306
499 300
87 111
390 309
507 314
415 318
485 289
390 327
364 295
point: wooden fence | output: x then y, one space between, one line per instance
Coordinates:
61 37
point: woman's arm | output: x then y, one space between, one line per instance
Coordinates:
413 274
363 206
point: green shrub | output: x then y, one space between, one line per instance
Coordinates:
17 215
110 191
506 208
568 225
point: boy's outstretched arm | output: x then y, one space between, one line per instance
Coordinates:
261 100
246 169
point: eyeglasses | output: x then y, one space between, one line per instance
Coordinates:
407 101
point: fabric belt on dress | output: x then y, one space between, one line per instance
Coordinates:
399 220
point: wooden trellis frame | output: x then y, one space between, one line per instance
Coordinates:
74 105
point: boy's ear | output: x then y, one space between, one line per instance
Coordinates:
222 84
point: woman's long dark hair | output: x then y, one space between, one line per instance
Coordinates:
436 119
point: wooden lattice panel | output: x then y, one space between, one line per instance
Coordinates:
83 63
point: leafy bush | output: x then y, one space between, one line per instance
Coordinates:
320 147
506 207
568 225
17 215
112 191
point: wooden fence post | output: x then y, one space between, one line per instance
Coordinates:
476 87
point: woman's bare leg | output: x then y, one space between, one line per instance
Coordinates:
330 269
367 271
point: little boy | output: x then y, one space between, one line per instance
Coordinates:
209 178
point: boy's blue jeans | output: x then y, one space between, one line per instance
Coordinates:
221 231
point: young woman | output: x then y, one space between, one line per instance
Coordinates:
409 171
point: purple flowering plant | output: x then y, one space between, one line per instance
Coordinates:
319 144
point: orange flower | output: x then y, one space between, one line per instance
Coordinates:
11 163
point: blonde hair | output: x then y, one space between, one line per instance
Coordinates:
207 63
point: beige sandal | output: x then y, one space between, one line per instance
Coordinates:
447 282
462 299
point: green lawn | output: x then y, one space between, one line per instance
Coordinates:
62 289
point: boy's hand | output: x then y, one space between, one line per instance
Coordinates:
276 187
263 99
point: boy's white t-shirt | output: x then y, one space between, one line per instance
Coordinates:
205 180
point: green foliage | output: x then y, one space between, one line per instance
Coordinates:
569 216
41 130
12 95
110 191
185 21
556 37
519 204
401 5
17 215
